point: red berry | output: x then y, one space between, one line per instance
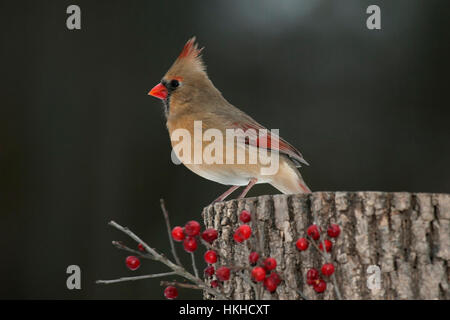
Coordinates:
311 276
223 273
209 235
327 269
320 286
275 277
328 245
244 231
245 216
270 284
132 262
270 264
313 232
302 244
334 231
253 257
190 244
178 234
214 284
258 274
210 256
237 237
141 247
209 271
192 228
171 292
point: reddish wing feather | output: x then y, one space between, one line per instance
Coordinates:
266 141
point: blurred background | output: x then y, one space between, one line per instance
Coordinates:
81 143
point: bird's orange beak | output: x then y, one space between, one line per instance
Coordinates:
159 91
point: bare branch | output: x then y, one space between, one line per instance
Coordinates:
302 294
169 231
121 246
246 278
194 267
180 284
148 276
178 269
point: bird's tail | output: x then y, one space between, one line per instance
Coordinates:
291 188
290 181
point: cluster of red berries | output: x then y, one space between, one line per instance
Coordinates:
263 269
312 276
260 273
190 234
265 272
244 231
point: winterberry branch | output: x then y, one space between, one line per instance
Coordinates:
194 267
246 278
302 294
121 246
327 259
180 284
148 276
318 249
258 277
336 288
178 269
169 228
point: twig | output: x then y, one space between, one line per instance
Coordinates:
194 267
169 231
148 276
181 285
121 246
252 284
260 289
302 294
178 269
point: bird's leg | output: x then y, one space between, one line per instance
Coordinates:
226 194
247 188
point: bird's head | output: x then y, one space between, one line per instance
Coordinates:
185 82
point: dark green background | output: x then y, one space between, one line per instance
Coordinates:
81 143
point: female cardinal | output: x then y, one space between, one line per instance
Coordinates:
189 97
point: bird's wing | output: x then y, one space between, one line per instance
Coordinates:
267 140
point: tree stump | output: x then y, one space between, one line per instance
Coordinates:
405 236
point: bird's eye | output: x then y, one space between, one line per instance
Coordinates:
174 83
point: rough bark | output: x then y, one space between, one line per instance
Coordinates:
406 235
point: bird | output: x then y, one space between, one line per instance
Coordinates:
189 96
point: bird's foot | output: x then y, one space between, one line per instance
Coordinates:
247 188
225 194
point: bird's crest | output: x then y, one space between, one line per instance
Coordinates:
191 54
190 50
